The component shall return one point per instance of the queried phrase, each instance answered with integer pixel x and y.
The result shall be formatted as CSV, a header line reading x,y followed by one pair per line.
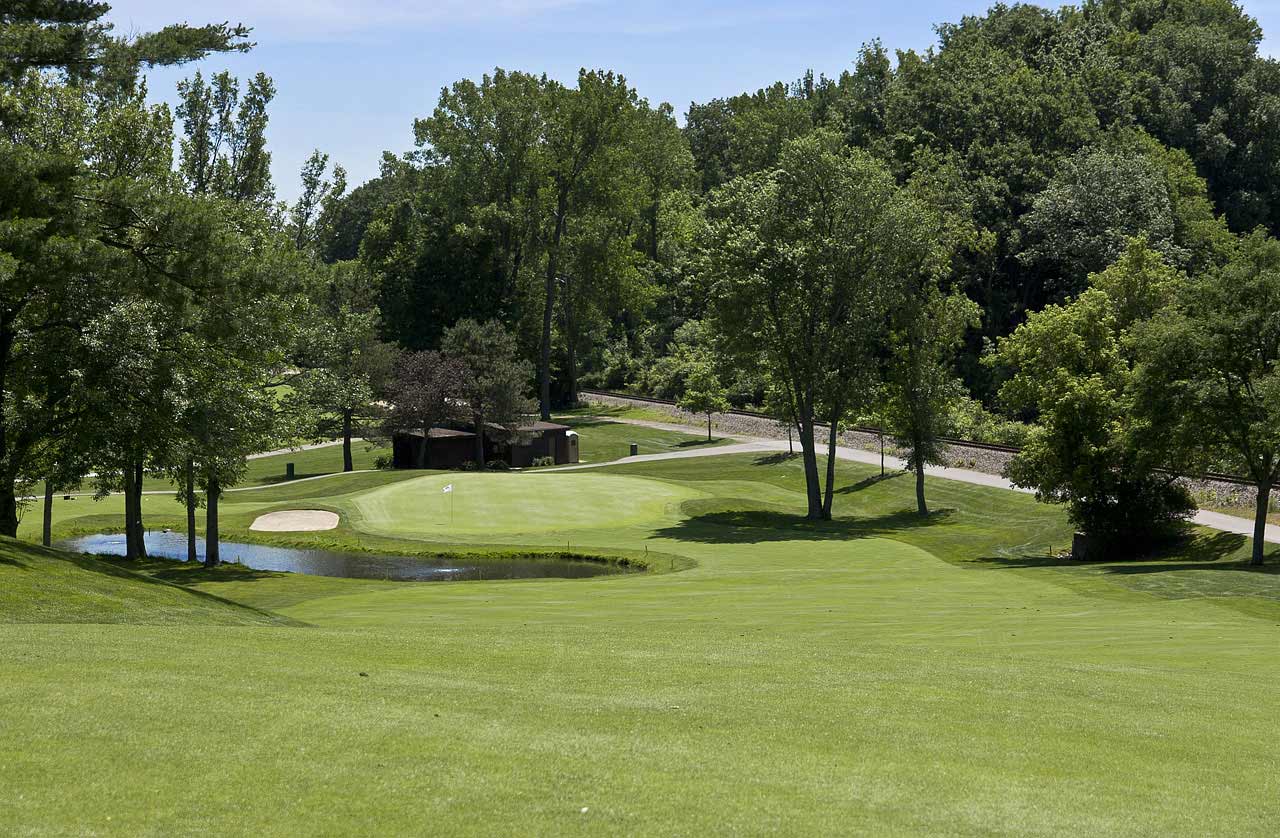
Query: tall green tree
x,y
1209,383
495,379
804,263
929,327
1073,366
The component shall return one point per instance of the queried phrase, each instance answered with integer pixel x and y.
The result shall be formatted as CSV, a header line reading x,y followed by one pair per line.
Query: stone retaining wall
x,y
1209,493
733,424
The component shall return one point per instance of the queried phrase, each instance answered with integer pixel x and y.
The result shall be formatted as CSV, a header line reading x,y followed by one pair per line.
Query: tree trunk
x,y
832,437
1260,524
8,498
131,551
211,557
572,372
548,308
423,459
192,553
346,440
46,532
881,435
8,508
139,530
708,427
813,485
480,441
921,506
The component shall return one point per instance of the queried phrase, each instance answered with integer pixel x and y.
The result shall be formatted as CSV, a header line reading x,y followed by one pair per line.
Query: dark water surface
x,y
173,545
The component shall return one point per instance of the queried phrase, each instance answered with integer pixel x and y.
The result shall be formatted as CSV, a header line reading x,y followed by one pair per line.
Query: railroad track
x,y
1216,477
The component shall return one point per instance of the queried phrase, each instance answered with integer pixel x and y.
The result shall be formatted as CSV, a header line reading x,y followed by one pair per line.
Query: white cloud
x,y
327,19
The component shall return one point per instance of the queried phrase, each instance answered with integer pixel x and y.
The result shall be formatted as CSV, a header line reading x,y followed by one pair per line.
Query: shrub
x,y
383,462
497,465
539,462
469,465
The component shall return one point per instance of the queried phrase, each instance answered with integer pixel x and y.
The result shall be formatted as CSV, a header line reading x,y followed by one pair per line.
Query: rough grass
x,y
874,674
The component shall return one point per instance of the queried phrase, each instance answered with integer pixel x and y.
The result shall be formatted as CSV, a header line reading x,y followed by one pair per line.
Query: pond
x,y
173,545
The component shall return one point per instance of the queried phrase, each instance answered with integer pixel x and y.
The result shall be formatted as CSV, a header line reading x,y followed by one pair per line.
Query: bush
x,y
972,422
497,465
539,462
469,465
1133,514
383,462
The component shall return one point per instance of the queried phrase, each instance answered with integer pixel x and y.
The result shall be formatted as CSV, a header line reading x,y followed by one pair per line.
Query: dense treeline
x,y
1053,228
1046,143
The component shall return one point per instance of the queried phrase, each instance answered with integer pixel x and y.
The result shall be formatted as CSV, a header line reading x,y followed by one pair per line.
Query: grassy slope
x,y
47,586
603,441
873,674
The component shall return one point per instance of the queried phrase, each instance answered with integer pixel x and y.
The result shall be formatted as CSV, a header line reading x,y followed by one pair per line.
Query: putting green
x,y
503,503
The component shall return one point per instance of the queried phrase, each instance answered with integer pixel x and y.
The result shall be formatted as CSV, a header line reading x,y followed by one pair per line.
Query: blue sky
x,y
353,74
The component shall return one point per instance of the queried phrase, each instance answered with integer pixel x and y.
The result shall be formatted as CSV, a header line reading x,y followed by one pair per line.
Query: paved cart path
x,y
746,445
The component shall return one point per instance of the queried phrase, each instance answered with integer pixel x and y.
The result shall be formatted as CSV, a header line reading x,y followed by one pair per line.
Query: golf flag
x,y
448,489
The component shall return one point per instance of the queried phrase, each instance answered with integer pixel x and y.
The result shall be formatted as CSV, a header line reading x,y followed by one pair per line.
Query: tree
x,y
224,150
343,364
1083,220
425,391
930,327
496,377
704,393
64,81
580,125
317,203
1072,366
1209,382
804,263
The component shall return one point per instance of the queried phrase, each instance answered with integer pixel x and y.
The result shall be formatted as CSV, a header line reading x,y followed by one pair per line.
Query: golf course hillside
x,y
875,673
38,585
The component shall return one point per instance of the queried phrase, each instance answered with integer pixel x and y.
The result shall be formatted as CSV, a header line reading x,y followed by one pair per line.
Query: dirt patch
x,y
296,520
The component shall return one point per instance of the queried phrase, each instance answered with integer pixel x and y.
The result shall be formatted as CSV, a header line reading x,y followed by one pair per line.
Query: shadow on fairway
x,y
1194,551
775,459
868,482
760,526
185,573
694,443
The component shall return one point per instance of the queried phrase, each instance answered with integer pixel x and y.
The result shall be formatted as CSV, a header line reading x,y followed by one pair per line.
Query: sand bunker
x,y
296,520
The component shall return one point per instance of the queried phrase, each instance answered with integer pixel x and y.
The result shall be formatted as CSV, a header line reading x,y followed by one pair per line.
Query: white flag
x,y
448,489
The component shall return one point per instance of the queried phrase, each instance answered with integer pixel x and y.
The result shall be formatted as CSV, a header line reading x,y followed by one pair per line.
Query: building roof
x,y
543,426
438,433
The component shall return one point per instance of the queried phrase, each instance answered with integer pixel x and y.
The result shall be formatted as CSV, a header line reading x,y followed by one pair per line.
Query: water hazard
x,y
173,545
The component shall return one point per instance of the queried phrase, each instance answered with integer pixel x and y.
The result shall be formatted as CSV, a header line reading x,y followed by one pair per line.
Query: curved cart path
x,y
746,445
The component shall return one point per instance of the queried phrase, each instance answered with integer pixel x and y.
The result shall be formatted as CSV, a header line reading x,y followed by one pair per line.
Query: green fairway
x,y
874,674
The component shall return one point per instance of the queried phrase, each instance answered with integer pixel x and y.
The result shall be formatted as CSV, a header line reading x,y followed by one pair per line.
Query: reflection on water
x,y
173,545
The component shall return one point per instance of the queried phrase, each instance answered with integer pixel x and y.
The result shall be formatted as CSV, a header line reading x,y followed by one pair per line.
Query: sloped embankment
x,y
38,585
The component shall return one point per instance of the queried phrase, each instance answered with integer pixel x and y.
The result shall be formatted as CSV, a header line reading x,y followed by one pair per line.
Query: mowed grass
x,y
602,440
506,504
875,674
49,586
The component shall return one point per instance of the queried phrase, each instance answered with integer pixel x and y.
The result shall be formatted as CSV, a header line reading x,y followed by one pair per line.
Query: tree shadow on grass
x,y
761,526
868,482
183,573
694,443
1189,551
776,459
